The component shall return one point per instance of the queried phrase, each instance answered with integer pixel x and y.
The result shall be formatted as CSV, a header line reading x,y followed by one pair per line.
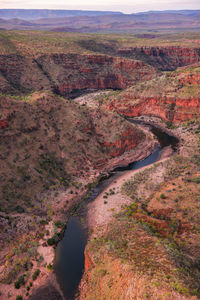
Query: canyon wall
x,y
169,109
174,97
68,73
165,58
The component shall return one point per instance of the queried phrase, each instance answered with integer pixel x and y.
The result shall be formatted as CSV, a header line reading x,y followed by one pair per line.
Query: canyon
x,y
65,74
55,149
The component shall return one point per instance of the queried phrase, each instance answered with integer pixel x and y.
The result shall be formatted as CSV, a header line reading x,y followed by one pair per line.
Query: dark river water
x,y
69,259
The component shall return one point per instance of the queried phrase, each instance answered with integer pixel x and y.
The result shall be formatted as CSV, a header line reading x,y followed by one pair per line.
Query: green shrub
x,y
58,224
53,240
19,297
19,209
102,272
111,192
162,196
19,282
17,285
43,222
49,267
196,180
41,234
36,274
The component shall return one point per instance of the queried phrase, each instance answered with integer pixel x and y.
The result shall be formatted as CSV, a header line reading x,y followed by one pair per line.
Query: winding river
x,y
69,259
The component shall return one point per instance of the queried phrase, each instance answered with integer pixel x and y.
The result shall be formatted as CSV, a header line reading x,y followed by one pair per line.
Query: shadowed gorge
x,y
67,74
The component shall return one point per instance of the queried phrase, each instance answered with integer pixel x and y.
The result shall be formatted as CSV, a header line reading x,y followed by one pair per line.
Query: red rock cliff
x,y
128,140
190,78
169,109
164,58
79,72
66,73
88,261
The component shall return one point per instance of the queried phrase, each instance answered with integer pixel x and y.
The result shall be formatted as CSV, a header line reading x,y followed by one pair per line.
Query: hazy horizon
x,y
125,6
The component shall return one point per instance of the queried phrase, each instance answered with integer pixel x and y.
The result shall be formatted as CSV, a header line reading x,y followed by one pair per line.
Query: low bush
x,y
36,274
162,196
53,240
19,282
49,267
58,224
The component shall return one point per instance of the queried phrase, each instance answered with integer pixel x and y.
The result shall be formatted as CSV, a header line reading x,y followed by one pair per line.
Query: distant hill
x,y
32,14
99,21
182,12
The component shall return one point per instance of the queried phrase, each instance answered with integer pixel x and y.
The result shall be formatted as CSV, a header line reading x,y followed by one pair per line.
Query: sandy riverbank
x,y
102,210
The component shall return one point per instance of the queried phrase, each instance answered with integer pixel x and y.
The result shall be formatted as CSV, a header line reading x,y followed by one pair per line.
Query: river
x,y
69,259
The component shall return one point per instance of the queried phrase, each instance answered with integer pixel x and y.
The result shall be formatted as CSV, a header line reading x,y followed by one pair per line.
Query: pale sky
x,y
126,6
